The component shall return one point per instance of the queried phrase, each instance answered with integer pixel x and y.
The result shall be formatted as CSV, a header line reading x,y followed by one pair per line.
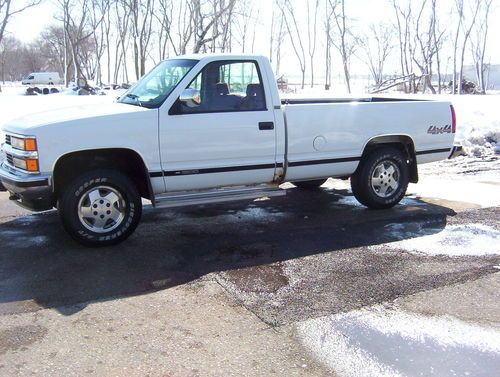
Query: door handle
x,y
266,126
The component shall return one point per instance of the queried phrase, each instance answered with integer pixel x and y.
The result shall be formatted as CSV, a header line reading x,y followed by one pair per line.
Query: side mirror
x,y
190,97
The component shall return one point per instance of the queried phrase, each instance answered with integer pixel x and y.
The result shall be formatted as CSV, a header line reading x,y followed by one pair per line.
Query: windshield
x,y
152,89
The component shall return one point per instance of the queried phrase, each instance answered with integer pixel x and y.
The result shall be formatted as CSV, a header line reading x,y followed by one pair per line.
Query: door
x,y
225,136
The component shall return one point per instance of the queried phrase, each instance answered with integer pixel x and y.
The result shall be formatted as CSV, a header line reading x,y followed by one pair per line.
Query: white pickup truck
x,y
212,128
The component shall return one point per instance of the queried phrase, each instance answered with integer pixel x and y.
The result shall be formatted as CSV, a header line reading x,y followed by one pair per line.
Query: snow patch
x,y
468,191
453,240
379,341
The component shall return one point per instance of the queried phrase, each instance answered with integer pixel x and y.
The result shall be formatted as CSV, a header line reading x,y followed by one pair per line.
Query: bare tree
x,y
467,29
164,16
18,59
78,28
406,49
183,11
107,35
343,39
278,35
377,46
8,10
328,24
311,34
459,5
122,22
10,49
478,43
427,42
438,40
97,17
205,16
243,22
141,16
223,27
292,27
52,42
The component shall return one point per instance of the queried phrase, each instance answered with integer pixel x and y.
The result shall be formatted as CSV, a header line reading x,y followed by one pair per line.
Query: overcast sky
x,y
27,26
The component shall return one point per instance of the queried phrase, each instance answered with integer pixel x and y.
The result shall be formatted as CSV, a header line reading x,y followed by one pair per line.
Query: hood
x,y
24,123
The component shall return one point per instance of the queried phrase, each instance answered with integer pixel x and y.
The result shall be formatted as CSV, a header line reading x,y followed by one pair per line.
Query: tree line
x,y
111,41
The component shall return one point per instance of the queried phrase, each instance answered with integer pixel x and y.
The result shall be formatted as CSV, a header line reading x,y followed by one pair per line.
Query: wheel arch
x,y
128,161
402,142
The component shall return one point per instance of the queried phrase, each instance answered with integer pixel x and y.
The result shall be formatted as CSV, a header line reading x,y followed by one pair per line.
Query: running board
x,y
189,198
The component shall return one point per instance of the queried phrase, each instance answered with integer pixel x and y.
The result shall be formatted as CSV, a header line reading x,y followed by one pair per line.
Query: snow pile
x,y
478,124
380,341
480,142
453,240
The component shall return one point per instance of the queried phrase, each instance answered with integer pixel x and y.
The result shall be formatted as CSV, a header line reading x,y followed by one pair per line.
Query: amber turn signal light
x,y
30,145
32,165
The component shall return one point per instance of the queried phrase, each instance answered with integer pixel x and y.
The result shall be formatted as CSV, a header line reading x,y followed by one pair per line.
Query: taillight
x,y
453,120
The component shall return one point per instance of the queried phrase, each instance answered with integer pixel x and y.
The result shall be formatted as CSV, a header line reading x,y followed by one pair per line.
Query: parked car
x,y
213,128
42,78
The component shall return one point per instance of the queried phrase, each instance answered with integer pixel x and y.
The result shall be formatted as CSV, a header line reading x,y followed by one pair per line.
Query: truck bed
x,y
326,137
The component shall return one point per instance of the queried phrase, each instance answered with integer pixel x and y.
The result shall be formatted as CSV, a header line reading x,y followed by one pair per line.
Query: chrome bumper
x,y
28,190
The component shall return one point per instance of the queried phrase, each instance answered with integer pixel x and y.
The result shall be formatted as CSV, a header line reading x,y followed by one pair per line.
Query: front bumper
x,y
33,192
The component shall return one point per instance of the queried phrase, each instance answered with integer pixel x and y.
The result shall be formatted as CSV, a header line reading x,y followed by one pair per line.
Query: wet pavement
x,y
273,264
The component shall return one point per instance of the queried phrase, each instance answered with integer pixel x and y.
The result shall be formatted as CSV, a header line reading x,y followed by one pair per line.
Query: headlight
x,y
28,144
30,165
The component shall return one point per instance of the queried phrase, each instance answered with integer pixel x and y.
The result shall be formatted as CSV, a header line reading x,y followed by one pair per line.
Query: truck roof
x,y
221,56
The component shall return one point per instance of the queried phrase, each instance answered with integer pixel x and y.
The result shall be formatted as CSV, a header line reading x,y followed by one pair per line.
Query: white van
x,y
42,78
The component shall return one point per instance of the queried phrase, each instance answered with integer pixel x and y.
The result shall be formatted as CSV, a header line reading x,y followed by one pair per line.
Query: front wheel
x,y
381,179
100,208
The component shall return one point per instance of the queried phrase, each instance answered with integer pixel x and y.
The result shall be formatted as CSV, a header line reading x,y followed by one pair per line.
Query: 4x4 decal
x,y
439,130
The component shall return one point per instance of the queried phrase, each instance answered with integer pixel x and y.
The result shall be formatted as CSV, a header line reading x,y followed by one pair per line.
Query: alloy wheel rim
x,y
101,209
385,179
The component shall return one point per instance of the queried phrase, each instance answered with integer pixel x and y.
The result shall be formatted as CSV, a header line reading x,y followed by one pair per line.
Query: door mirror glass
x,y
190,97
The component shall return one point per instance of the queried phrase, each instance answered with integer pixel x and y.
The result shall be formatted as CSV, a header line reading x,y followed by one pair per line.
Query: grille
x,y
7,139
8,158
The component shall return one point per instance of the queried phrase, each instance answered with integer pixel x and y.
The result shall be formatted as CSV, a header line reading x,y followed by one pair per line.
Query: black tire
x,y
77,197
387,190
309,185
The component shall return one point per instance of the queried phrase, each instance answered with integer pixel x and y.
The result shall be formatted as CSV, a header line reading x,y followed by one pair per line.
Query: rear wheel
x,y
382,179
309,185
100,208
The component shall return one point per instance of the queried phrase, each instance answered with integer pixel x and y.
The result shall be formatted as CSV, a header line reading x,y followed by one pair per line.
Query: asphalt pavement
x,y
231,289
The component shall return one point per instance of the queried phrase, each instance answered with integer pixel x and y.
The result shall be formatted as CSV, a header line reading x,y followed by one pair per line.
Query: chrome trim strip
x,y
19,135
19,153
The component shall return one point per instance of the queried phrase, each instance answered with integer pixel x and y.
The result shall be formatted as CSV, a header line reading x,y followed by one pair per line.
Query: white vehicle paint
x,y
42,78
209,128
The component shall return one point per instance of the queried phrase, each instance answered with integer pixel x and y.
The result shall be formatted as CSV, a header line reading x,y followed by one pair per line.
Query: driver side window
x,y
226,86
